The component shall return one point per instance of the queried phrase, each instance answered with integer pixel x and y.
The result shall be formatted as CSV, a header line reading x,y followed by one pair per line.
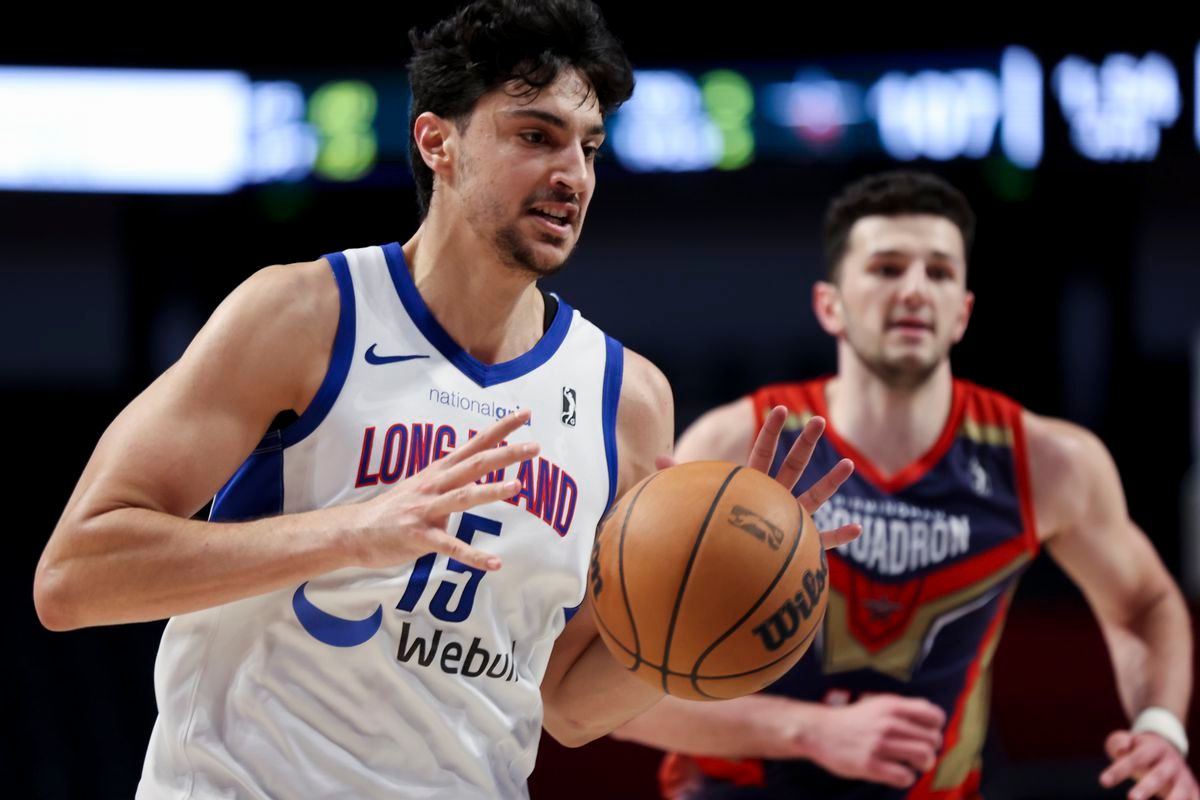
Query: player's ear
x,y
434,137
963,316
827,306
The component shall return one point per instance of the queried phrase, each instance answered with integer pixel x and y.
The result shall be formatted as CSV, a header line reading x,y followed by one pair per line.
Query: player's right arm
x,y
882,738
125,548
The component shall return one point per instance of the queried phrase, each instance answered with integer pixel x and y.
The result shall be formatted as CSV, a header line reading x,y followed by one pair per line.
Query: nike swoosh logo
x,y
332,630
372,358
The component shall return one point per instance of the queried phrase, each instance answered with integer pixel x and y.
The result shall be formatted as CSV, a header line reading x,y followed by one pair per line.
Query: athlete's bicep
x,y
181,438
1083,515
645,421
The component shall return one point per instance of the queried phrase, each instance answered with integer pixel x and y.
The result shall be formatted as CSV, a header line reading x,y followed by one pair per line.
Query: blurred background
x,y
142,177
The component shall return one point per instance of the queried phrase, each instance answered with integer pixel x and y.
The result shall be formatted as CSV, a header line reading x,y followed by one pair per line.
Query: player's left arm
x,y
1085,525
586,693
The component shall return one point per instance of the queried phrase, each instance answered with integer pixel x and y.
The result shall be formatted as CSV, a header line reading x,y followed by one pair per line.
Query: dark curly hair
x,y
891,194
491,42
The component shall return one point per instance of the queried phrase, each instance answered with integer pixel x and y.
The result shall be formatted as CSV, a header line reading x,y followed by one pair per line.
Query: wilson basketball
x,y
708,580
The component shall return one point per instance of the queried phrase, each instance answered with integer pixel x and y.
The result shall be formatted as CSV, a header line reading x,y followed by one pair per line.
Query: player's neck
x,y
891,426
493,312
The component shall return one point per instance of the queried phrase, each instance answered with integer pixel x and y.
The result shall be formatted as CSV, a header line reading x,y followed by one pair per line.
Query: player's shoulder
x,y
288,300
644,387
279,325
987,401
723,433
1068,465
297,289
799,397
645,418
1061,444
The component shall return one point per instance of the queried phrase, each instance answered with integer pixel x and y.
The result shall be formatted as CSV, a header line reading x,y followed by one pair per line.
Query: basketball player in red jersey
x,y
957,488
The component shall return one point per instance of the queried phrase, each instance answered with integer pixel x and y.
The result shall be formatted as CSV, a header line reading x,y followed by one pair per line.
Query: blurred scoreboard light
x,y
665,127
726,119
109,130
1196,84
1117,109
148,131
283,146
208,131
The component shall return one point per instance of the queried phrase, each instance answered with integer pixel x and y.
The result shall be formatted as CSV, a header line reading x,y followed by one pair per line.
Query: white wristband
x,y
1162,722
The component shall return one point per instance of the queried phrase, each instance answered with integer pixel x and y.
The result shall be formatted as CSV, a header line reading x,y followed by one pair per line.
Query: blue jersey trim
x,y
482,374
614,368
256,489
339,359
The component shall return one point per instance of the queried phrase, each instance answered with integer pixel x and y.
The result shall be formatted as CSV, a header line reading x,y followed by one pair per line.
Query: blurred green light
x,y
728,97
729,101
343,112
739,149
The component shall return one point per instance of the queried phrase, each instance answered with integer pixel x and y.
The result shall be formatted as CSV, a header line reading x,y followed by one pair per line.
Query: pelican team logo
x,y
980,481
568,407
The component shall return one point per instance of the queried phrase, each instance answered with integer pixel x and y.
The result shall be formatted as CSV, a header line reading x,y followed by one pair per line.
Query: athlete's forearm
x,y
1152,655
755,726
594,696
135,564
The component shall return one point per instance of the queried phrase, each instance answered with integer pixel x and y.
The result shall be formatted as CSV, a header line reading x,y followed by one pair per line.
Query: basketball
x,y
708,580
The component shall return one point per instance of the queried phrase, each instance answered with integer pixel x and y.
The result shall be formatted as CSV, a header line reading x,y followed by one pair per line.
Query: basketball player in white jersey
x,y
347,630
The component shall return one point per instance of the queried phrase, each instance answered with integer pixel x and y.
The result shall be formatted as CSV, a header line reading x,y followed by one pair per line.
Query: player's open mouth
x,y
559,224
557,216
909,325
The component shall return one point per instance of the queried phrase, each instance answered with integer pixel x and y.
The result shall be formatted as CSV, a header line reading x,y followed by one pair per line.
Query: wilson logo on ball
x,y
783,624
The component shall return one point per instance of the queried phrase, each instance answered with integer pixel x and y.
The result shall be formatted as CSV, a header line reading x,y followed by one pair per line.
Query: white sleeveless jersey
x,y
420,681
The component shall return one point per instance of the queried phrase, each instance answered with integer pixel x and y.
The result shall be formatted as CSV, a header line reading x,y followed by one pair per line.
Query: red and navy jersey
x,y
917,603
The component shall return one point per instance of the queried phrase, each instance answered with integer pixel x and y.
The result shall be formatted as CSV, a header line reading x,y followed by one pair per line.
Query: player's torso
x,y
917,602
421,679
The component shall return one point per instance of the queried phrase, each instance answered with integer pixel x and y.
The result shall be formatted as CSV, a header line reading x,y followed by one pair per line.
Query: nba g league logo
x,y
568,406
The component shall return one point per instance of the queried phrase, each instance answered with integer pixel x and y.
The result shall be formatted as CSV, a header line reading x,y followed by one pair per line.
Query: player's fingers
x,y
915,754
470,496
480,464
1185,789
829,483
1117,744
839,536
901,729
763,451
920,711
800,453
890,773
1154,782
1132,764
442,542
487,438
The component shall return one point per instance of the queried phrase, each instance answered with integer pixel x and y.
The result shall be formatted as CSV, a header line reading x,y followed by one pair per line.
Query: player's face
x,y
526,170
903,294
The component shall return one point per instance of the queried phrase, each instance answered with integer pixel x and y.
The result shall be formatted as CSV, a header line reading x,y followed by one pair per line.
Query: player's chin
x,y
909,360
911,369
917,356
549,257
